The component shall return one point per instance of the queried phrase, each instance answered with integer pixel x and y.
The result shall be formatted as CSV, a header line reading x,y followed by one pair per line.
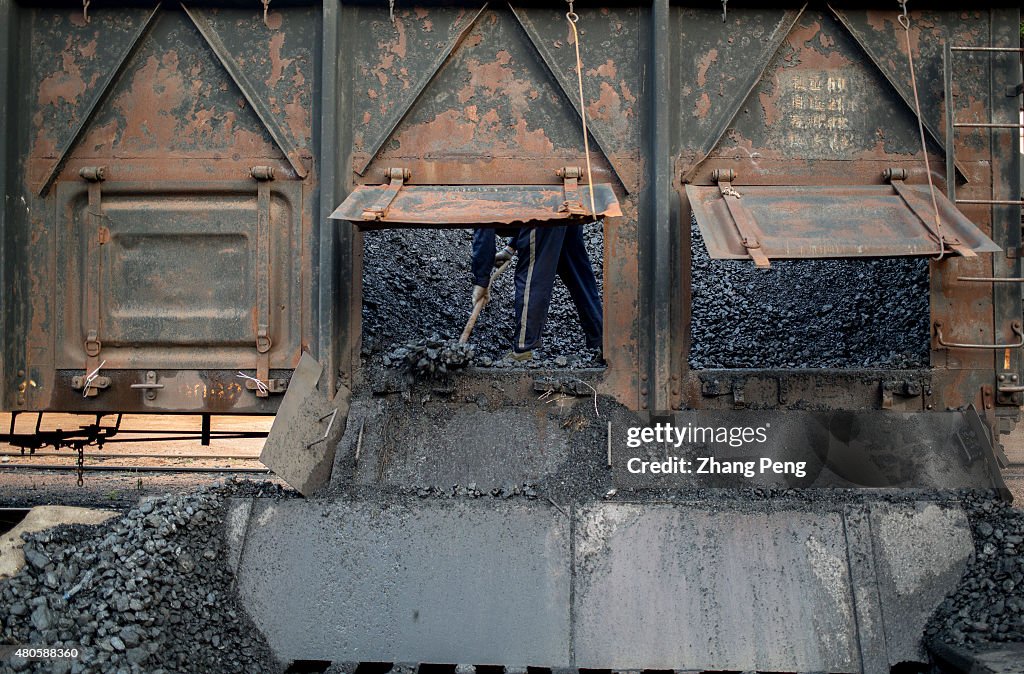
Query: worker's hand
x,y
504,255
480,293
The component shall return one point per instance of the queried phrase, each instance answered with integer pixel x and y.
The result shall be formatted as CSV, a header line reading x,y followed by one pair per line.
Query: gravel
x,y
988,605
147,592
417,285
855,313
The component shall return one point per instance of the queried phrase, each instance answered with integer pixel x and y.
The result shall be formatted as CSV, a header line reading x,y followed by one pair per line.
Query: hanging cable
x,y
904,20
572,18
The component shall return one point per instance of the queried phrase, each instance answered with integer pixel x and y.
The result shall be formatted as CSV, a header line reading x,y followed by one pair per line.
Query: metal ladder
x,y
952,124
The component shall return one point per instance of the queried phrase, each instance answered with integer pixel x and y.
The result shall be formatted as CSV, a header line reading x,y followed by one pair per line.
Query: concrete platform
x,y
625,586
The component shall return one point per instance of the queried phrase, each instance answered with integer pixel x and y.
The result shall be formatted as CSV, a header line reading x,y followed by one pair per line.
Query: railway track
x,y
142,444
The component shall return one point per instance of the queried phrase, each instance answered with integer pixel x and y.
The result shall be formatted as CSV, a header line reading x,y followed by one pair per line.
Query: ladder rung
x,y
985,279
980,125
991,202
996,49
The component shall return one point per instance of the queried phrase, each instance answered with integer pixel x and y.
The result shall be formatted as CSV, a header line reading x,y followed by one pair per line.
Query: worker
x,y
543,253
485,259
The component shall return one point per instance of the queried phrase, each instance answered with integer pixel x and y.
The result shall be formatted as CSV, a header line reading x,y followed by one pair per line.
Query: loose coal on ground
x,y
854,313
988,605
146,592
417,285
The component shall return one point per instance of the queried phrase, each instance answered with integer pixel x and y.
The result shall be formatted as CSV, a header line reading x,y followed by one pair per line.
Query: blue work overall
x,y
544,252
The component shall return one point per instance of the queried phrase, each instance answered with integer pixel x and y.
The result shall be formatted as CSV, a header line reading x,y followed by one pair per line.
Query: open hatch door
x,y
398,204
763,223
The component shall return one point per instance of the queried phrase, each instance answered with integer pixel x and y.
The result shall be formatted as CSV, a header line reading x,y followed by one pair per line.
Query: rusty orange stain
x,y
606,69
702,106
298,118
274,20
66,84
627,93
277,64
703,65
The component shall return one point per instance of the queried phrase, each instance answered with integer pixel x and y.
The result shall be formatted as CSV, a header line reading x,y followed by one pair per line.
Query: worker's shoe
x,y
519,356
504,255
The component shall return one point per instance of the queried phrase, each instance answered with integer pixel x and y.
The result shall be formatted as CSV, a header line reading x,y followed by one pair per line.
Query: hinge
x,y
572,204
1008,389
397,178
905,388
750,233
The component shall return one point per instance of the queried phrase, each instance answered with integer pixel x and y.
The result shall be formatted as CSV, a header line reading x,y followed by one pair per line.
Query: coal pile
x,y
988,605
842,313
431,358
149,592
417,283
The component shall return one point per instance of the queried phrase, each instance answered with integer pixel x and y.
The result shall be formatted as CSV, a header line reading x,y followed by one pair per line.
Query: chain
x,y
81,463
572,18
725,10
266,8
391,10
904,20
85,10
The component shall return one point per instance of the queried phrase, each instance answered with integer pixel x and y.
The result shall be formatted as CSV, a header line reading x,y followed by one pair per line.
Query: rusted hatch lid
x,y
829,221
380,206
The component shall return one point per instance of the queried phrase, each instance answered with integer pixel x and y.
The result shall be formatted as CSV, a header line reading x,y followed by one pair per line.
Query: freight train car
x,y
169,171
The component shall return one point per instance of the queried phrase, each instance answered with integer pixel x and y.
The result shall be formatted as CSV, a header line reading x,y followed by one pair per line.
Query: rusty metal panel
x,y
178,273
811,222
177,103
461,86
474,205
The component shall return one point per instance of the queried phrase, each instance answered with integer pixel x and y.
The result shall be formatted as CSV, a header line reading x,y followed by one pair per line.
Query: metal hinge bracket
x,y
905,388
750,233
95,384
572,204
1009,390
397,178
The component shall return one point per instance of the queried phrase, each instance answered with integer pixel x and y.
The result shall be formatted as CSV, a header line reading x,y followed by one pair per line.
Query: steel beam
x,y
7,125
